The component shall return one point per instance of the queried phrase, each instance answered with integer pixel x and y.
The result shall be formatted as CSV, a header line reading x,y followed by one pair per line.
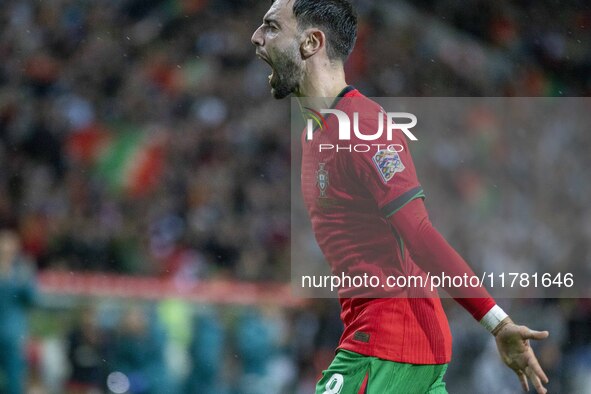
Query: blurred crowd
x,y
80,81
139,137
548,41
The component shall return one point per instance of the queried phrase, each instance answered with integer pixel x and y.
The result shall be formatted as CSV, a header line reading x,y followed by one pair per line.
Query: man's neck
x,y
325,81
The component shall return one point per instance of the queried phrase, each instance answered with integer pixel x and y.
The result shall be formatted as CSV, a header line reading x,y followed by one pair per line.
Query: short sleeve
x,y
387,171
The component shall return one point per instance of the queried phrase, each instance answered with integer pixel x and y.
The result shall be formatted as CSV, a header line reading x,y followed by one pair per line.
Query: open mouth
x,y
270,65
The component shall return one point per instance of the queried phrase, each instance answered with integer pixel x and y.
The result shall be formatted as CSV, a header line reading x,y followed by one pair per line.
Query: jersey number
x,y
334,384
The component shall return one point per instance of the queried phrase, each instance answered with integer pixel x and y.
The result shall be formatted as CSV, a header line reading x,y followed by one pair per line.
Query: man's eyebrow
x,y
270,19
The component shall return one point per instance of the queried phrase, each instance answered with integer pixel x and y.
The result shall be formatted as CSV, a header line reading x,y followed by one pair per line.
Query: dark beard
x,y
287,74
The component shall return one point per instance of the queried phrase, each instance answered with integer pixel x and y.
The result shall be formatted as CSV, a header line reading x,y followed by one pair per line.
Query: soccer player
x,y
368,215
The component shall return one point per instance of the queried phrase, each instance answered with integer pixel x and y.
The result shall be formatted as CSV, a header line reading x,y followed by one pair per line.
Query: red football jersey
x,y
349,196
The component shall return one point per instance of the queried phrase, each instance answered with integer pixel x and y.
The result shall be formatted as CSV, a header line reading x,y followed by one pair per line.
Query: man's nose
x,y
257,37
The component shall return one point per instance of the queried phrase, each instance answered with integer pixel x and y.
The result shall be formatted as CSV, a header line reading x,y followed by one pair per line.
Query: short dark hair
x,y
336,18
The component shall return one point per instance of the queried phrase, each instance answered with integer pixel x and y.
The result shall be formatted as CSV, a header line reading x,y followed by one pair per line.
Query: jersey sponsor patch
x,y
388,163
361,336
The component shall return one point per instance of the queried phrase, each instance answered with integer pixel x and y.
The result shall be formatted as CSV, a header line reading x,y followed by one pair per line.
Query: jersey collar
x,y
348,89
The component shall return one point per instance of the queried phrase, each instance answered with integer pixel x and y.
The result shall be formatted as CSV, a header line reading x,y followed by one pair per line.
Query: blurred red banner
x,y
150,288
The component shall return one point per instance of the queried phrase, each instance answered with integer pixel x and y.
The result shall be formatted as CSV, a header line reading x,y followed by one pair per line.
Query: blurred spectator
x,y
207,354
138,354
259,339
86,350
175,316
17,295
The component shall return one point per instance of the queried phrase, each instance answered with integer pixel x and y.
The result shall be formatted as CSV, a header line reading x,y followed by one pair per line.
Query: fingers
x,y
537,370
536,375
524,361
535,379
526,333
523,380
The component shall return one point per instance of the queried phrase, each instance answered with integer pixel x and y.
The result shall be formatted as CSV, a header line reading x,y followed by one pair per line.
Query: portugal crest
x,y
322,179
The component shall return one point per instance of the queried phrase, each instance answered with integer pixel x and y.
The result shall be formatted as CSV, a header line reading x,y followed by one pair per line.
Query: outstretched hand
x,y
516,352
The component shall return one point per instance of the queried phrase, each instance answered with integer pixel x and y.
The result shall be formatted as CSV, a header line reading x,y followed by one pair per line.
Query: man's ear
x,y
314,41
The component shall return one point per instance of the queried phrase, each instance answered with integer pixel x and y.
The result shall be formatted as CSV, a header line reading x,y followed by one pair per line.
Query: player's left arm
x,y
391,179
433,254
